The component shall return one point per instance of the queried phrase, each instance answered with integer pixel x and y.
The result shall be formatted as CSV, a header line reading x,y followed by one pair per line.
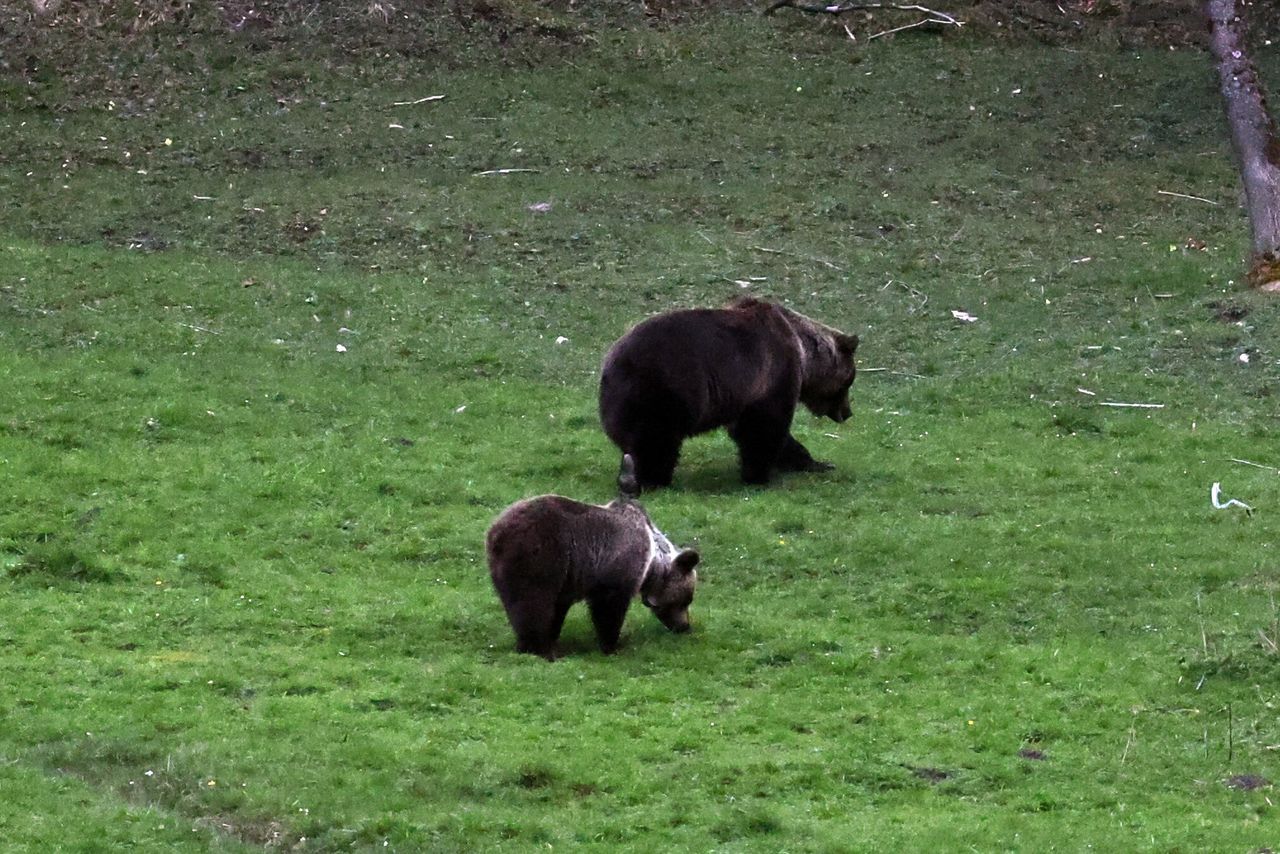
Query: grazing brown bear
x,y
548,552
743,367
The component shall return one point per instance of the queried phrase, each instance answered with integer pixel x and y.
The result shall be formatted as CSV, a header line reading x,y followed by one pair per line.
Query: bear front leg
x,y
608,609
759,437
796,457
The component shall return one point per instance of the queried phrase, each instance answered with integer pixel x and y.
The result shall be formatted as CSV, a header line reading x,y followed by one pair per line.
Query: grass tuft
x,y
53,561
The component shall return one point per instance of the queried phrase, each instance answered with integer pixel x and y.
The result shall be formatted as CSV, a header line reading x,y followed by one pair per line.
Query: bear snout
x,y
842,412
677,622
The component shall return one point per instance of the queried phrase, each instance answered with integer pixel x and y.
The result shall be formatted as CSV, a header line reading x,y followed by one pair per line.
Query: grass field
x,y
274,355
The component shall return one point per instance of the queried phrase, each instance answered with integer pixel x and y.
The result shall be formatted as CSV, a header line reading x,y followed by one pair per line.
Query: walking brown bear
x,y
548,552
744,367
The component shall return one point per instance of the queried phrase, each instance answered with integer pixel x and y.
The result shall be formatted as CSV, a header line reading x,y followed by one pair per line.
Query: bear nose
x,y
678,623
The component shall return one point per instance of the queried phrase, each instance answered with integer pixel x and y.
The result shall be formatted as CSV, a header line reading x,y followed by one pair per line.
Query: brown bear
x,y
548,552
743,367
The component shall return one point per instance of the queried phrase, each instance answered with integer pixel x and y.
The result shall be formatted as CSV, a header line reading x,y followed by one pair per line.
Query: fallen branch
x,y
919,23
935,17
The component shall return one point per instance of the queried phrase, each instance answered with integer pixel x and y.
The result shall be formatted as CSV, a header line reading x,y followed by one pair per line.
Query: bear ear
x,y
628,486
686,561
847,343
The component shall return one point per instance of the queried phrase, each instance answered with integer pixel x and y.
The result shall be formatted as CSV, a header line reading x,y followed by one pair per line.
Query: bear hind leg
x,y
608,610
557,619
656,455
536,627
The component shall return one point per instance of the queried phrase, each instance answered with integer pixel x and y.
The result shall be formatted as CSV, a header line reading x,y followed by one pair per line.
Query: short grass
x,y
243,600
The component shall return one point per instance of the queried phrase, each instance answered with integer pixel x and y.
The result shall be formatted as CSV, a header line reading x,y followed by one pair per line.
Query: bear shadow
x,y
579,641
706,480
725,481
574,643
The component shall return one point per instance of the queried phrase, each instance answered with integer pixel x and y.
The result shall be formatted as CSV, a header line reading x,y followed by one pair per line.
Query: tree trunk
x,y
1253,136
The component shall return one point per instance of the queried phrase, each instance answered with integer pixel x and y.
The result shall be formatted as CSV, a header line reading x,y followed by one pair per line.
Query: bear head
x,y
669,582
831,371
669,576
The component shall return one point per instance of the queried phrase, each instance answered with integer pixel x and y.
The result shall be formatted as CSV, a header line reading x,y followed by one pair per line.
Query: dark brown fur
x,y
744,367
548,552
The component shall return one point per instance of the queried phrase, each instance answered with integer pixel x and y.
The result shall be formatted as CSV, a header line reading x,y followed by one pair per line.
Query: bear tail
x,y
628,486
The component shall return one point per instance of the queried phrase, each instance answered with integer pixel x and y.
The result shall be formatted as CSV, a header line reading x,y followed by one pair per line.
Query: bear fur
x,y
546,553
744,367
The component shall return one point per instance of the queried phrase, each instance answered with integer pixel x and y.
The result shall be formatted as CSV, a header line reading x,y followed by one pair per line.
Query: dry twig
x,y
501,172
1185,196
1269,643
923,297
1133,735
1255,465
821,261
415,103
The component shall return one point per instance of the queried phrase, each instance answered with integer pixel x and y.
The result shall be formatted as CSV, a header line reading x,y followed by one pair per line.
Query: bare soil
x,y
526,29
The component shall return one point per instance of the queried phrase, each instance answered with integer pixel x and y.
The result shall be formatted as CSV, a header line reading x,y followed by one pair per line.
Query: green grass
x,y
243,599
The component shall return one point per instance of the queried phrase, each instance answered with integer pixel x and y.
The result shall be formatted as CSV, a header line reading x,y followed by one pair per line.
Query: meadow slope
x,y
275,351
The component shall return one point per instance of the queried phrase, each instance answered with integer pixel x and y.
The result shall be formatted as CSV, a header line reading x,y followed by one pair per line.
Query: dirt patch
x,y
1129,22
266,832
1246,782
1228,312
1125,23
931,775
534,778
526,29
141,774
